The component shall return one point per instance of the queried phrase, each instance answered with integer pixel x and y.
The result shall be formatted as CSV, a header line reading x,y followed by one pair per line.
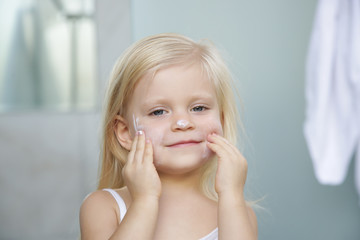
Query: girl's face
x,y
177,109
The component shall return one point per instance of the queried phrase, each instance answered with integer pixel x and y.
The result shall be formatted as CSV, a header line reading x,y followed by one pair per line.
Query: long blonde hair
x,y
153,53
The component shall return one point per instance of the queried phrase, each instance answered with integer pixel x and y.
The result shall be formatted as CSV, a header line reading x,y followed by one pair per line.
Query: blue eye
x,y
199,109
157,112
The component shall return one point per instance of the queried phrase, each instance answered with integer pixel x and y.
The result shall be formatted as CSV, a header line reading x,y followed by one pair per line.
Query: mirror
x,y
47,55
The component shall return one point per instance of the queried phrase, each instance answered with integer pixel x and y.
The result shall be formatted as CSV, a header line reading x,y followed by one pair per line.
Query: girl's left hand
x,y
232,166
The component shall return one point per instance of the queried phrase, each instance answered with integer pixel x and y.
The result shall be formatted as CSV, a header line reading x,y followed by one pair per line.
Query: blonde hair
x,y
150,54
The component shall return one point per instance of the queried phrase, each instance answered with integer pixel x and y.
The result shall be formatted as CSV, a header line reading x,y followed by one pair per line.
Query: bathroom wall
x,y
46,168
49,160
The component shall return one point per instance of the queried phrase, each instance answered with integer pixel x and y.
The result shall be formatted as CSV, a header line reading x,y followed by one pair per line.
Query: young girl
x,y
170,168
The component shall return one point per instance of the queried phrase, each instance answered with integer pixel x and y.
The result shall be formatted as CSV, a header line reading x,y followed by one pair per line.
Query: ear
x,y
122,132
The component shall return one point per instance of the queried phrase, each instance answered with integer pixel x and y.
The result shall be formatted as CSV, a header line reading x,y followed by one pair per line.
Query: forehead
x,y
174,82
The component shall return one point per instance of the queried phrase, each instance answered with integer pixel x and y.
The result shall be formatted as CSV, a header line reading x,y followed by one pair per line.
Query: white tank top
x,y
122,207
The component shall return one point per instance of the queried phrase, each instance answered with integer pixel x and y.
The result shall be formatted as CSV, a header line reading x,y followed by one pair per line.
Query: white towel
x,y
332,125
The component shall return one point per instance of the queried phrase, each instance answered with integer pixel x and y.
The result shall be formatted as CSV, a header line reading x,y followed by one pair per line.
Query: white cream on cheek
x,y
136,123
151,133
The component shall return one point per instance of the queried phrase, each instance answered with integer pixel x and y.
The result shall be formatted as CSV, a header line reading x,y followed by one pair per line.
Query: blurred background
x,y
55,59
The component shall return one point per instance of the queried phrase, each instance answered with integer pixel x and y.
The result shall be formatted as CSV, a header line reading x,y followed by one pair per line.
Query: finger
x,y
133,149
216,139
140,146
219,150
230,147
148,155
219,139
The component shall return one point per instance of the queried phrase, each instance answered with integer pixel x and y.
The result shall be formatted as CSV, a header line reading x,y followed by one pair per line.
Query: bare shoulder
x,y
97,199
98,216
252,217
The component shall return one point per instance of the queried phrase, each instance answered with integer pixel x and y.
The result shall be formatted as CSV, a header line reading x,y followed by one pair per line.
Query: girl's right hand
x,y
139,172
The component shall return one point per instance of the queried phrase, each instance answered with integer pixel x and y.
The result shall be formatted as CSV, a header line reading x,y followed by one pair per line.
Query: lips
x,y
184,143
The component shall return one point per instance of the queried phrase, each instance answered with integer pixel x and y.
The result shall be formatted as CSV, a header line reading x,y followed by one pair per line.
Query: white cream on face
x,y
135,123
151,133
182,123
137,126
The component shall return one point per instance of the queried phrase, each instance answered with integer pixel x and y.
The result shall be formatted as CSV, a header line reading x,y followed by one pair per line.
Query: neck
x,y
174,184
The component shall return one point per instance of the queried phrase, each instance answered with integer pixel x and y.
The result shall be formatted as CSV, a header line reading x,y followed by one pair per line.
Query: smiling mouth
x,y
184,144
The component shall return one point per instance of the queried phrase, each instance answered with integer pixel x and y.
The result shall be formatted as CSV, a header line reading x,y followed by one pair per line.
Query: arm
x,y
236,220
139,221
98,218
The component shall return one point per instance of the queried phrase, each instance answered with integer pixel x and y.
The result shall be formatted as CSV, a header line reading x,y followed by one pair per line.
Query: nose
x,y
182,124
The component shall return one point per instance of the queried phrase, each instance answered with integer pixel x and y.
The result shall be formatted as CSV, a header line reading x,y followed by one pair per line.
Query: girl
x,y
170,169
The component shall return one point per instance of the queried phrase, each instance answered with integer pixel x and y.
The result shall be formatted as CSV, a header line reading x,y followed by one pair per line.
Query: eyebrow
x,y
162,100
201,96
153,101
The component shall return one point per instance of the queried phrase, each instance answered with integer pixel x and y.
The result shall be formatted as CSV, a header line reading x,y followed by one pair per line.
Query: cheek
x,y
155,133
211,125
152,131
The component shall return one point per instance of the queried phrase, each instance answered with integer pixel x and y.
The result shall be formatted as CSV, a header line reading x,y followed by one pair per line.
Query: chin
x,y
181,164
176,171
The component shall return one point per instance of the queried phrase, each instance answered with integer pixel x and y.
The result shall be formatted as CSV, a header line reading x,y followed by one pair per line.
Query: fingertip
x,y
209,144
141,136
148,142
210,138
213,134
148,147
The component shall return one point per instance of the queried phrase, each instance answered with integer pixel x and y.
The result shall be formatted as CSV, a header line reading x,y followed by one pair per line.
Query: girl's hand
x,y
232,166
139,173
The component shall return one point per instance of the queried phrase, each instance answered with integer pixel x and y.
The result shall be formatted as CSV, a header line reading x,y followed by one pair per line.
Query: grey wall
x,y
47,165
266,44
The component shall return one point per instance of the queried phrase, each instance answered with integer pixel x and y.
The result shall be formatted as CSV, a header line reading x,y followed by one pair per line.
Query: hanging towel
x,y
332,91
